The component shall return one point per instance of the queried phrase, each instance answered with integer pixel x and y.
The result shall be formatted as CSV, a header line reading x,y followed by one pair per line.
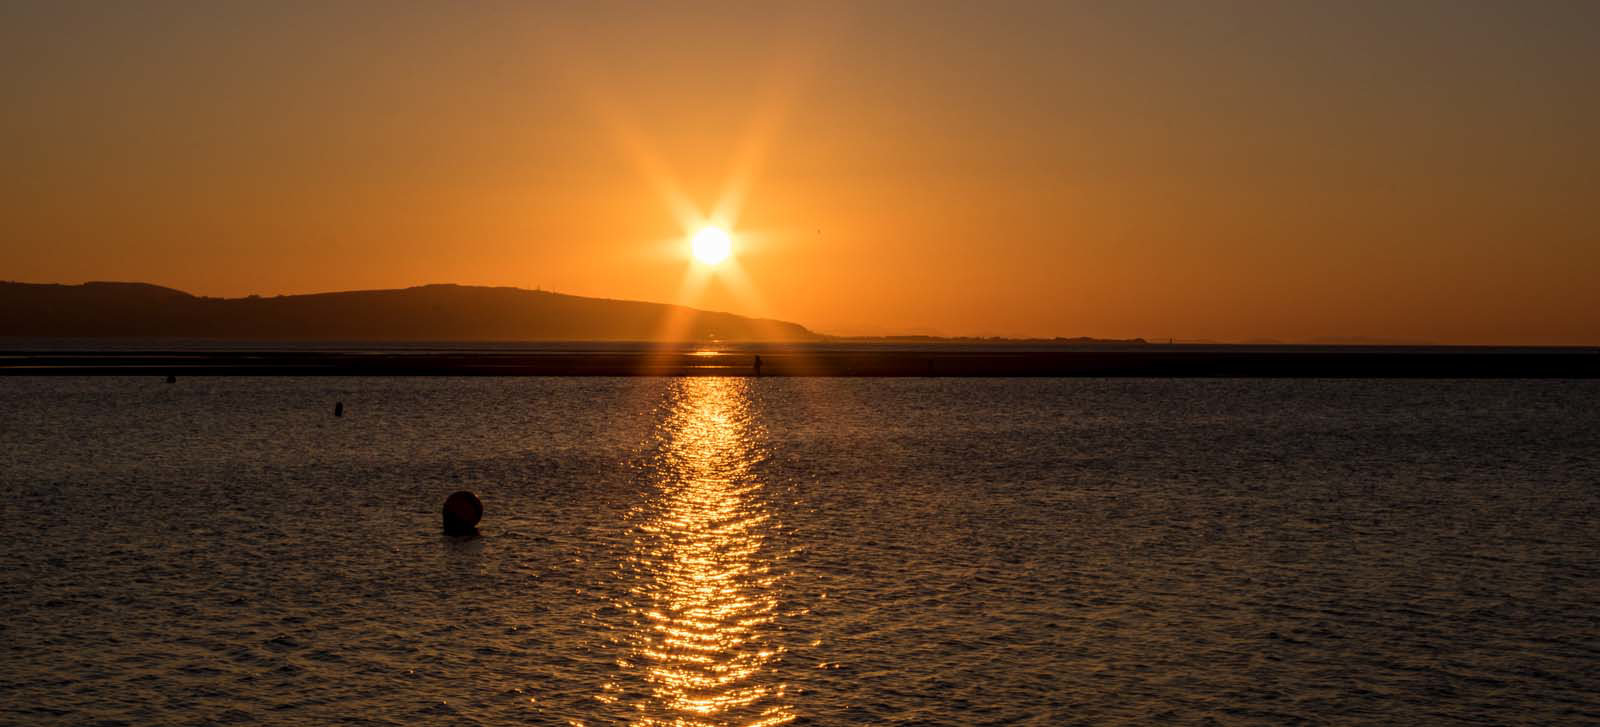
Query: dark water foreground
x,y
633,359
739,551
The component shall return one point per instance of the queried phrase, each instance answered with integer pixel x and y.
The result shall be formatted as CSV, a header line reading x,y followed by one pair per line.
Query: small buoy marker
x,y
171,379
462,511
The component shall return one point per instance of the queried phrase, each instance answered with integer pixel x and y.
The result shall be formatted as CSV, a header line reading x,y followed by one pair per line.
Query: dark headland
x,y
424,313
147,330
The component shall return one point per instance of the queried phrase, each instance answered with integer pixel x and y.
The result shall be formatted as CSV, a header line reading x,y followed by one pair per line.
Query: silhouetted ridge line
x,y
425,313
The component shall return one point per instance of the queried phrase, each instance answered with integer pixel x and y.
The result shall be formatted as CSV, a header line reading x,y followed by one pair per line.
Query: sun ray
x,y
791,71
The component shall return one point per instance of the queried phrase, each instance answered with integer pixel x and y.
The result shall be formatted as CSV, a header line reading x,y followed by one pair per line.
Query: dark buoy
x,y
462,511
338,409
172,379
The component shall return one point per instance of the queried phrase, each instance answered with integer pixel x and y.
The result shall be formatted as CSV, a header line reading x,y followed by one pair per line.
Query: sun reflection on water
x,y
704,595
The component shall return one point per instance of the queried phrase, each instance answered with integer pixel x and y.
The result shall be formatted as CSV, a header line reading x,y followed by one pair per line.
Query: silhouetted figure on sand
x,y
338,409
758,364
462,510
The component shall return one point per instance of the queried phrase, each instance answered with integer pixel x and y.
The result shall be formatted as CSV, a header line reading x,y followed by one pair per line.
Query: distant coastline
x,y
438,312
118,316
443,312
998,340
817,359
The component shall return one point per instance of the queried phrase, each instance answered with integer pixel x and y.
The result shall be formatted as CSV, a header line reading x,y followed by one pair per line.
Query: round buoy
x,y
171,379
462,511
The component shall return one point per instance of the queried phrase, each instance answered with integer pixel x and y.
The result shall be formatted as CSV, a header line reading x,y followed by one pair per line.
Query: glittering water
x,y
698,620
822,551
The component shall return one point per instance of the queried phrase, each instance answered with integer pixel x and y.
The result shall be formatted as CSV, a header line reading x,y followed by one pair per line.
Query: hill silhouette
x,y
425,313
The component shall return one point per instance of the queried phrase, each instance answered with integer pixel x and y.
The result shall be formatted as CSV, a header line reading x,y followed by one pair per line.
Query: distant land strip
x,y
1240,362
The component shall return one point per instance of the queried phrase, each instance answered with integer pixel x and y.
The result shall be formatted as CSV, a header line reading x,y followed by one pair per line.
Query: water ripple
x,y
700,580
734,552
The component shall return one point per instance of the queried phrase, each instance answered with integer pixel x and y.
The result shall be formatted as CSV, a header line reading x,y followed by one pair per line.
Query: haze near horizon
x,y
1414,170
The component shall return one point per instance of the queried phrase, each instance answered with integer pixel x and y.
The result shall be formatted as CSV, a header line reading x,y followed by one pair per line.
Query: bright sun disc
x,y
711,245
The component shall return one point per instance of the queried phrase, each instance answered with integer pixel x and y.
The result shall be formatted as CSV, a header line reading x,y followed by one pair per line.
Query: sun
x,y
711,245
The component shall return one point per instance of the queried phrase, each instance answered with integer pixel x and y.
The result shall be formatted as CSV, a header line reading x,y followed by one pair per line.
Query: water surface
x,y
820,551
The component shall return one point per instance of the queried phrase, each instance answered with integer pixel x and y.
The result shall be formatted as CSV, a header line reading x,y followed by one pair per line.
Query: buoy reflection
x,y
704,597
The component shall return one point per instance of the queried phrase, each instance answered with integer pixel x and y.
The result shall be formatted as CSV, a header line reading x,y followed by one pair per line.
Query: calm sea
x,y
718,551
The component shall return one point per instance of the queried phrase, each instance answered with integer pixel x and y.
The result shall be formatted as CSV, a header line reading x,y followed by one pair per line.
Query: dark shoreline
x,y
1162,362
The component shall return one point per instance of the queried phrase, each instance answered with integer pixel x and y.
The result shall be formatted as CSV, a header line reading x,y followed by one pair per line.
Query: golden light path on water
x,y
704,593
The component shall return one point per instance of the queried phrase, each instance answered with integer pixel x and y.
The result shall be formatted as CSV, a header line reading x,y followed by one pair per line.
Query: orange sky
x,y
1228,171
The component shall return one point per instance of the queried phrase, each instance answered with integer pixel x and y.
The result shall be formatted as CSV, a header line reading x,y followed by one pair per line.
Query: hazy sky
x,y
1224,170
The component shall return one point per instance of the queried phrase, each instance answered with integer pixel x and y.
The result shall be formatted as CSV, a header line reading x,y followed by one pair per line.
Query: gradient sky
x,y
1219,170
